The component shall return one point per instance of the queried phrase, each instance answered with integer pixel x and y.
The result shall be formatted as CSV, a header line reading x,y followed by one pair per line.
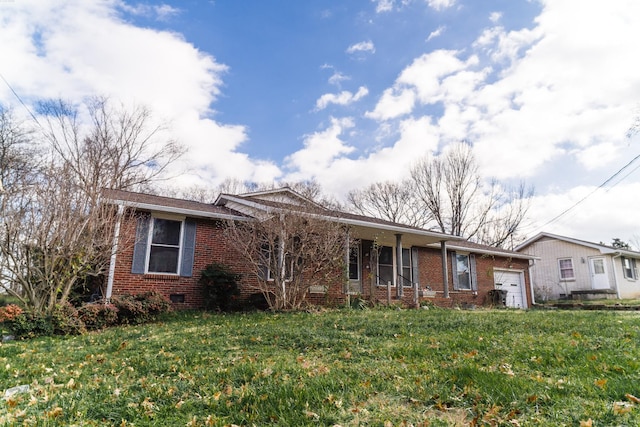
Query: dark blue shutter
x,y
140,245
415,272
473,276
454,271
188,248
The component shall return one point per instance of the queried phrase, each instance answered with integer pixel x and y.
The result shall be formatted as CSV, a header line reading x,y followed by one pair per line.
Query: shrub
x,y
141,308
66,321
98,316
28,325
219,287
9,312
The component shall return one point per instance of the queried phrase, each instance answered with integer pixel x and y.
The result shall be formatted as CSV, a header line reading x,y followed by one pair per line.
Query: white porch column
x,y
445,272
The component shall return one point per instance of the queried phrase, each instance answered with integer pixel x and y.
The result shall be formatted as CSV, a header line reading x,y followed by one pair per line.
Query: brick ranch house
x,y
167,243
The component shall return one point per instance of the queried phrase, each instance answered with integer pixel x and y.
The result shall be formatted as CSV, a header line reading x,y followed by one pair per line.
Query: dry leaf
x,y
588,423
632,398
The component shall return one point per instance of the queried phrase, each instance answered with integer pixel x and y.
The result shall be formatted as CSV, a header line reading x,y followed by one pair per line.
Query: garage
x,y
513,283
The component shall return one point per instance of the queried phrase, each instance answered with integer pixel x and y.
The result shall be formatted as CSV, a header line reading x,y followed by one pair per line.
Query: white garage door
x,y
511,281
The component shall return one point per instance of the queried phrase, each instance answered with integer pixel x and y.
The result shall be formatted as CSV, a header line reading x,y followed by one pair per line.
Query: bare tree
x,y
451,189
119,147
389,200
289,252
446,192
56,231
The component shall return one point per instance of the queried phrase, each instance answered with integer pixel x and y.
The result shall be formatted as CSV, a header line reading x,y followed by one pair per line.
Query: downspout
x,y
445,272
114,252
399,278
532,262
615,274
347,253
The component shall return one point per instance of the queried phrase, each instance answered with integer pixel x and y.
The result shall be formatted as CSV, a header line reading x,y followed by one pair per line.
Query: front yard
x,y
344,367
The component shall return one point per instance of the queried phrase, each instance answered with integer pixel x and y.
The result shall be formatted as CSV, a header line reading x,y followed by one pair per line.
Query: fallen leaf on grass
x,y
601,383
632,398
588,423
620,408
54,413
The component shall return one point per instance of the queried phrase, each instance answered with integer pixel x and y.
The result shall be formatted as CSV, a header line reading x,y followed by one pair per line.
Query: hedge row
x,y
69,320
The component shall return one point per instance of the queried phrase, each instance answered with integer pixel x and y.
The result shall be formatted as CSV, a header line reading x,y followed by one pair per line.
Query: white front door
x,y
599,276
511,281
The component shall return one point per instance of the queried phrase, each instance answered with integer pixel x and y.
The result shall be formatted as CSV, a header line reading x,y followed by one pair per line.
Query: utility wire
x,y
20,99
554,219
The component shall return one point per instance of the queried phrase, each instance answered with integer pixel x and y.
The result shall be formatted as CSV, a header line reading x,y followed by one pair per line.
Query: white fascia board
x,y
181,211
491,252
394,228
346,221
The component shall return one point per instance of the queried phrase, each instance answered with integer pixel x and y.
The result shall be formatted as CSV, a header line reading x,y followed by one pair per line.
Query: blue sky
x,y
353,92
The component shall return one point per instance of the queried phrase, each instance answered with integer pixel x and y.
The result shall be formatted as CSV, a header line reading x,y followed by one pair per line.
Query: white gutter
x,y
347,221
114,252
487,251
394,228
182,211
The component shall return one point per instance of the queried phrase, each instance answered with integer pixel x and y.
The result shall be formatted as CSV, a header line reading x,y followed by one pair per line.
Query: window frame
x,y
150,244
561,269
288,263
392,265
407,266
629,273
467,271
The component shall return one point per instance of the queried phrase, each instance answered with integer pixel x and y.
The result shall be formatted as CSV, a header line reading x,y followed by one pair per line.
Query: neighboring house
x,y
577,269
166,244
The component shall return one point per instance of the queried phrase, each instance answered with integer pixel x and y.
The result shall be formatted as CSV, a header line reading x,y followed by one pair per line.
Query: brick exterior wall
x,y
211,247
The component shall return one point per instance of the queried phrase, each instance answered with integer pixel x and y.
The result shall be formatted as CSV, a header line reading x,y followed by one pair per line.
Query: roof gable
x,y
604,249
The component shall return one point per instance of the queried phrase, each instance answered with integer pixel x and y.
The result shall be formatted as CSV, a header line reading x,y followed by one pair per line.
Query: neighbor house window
x,y
164,246
385,266
566,269
629,268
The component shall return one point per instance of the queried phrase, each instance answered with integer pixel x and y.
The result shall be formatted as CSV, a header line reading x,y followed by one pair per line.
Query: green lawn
x,y
370,367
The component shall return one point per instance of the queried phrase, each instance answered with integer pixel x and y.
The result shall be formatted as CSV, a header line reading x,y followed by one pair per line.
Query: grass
x,y
359,367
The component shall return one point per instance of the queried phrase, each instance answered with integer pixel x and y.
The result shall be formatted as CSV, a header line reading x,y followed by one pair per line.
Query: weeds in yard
x,y
344,367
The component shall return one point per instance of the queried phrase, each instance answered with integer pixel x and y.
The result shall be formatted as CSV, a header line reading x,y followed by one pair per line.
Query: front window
x,y
164,251
566,269
406,267
272,262
354,263
463,271
385,266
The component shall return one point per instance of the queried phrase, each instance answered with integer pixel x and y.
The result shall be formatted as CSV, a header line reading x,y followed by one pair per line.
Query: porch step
x,y
593,294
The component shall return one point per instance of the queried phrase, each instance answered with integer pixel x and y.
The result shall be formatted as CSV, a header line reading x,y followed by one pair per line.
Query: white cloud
x,y
365,46
495,17
337,78
320,150
392,104
436,33
76,49
383,5
160,12
343,98
441,4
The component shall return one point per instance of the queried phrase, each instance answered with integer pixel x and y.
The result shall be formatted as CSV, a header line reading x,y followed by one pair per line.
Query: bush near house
x,y
220,288
69,320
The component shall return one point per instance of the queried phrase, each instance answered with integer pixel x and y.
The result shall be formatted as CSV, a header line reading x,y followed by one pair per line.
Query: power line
x,y
554,219
20,99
